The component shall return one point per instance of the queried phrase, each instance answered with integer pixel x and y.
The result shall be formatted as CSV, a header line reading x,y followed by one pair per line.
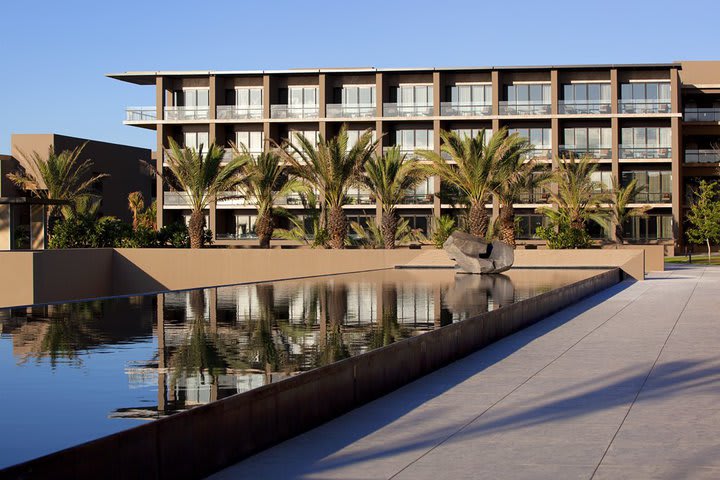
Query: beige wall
x,y
16,279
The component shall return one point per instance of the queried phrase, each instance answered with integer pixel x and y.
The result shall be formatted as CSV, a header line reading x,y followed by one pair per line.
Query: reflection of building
x,y
656,123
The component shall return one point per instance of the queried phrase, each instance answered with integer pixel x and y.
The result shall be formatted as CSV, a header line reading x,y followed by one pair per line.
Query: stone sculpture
x,y
474,255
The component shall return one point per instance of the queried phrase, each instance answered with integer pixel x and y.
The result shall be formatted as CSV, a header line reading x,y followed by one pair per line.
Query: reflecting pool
x,y
74,372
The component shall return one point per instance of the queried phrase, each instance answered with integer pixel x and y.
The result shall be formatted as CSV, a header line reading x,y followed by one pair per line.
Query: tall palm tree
x,y
203,177
389,177
57,177
619,211
331,168
577,199
265,178
514,175
471,175
136,204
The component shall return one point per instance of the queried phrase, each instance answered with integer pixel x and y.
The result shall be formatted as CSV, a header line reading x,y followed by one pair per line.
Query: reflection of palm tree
x,y
67,331
262,345
387,331
333,308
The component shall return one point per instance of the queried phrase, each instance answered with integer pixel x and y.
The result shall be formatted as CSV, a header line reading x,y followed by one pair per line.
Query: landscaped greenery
x,y
704,216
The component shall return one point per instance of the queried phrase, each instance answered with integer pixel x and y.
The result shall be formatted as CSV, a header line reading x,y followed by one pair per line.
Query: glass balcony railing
x,y
536,196
344,110
407,110
187,113
702,156
702,114
140,114
229,154
460,109
652,197
175,199
294,111
418,199
592,152
630,152
236,236
290,199
588,107
524,108
539,154
643,106
360,199
239,112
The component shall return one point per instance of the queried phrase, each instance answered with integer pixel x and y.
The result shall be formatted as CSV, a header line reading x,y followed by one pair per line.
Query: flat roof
x,y
148,77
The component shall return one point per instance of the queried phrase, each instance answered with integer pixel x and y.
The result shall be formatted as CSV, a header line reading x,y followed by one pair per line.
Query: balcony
x,y
597,153
702,156
459,109
702,114
232,198
290,199
229,154
418,199
652,197
140,114
176,199
539,154
234,112
360,199
407,110
524,108
643,106
344,110
294,111
187,113
535,196
584,107
630,152
236,236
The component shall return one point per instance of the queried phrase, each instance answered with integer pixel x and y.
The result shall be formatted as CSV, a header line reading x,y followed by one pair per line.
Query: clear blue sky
x,y
54,53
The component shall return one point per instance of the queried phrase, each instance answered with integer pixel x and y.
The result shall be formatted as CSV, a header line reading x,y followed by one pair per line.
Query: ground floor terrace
x,y
621,385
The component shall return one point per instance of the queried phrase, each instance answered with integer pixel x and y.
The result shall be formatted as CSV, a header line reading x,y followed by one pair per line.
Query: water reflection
x,y
209,344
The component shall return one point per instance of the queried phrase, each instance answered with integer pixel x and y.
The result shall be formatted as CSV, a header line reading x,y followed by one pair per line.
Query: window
x,y
192,97
533,93
250,98
473,132
539,137
312,135
361,95
303,96
586,93
602,181
646,142
420,95
253,141
245,226
593,141
527,225
470,94
410,140
422,193
657,185
354,136
418,222
196,140
645,97
649,228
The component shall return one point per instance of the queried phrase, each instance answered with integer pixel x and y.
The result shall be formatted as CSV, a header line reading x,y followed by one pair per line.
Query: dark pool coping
x,y
208,438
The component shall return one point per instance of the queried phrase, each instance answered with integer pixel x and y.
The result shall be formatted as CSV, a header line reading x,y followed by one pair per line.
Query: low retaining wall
x,y
198,442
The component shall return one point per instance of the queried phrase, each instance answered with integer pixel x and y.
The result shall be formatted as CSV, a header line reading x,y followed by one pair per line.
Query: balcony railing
x,y
598,153
140,114
577,107
524,108
236,236
407,110
643,106
291,199
344,110
645,152
539,154
234,112
652,197
229,154
187,113
702,156
702,114
418,199
175,199
459,109
232,198
294,111
533,197
360,199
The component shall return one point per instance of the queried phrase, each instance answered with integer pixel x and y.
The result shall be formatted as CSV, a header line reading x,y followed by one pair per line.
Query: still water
x,y
74,372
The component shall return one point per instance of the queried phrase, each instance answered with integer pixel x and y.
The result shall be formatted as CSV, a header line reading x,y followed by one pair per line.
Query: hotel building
x,y
657,123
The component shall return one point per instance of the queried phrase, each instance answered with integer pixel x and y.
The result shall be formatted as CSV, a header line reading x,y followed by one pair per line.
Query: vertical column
x,y
677,179
554,92
322,104
37,227
162,372
437,97
379,98
160,102
5,227
614,133
495,79
267,99
212,133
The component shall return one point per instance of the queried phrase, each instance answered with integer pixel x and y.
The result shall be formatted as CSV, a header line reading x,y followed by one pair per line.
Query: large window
x,y
526,99
586,98
645,97
422,193
602,181
410,140
540,138
646,142
354,136
312,135
527,225
189,104
473,132
193,97
656,185
196,139
593,141
253,141
250,98
468,100
410,100
418,222
245,226
353,101
649,228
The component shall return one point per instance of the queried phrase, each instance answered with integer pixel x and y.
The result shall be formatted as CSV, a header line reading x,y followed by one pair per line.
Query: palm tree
x,y
389,177
619,211
577,199
515,175
372,236
58,177
265,178
136,204
331,168
471,175
203,178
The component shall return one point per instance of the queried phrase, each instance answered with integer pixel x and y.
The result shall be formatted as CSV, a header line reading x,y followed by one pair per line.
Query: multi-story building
x,y
654,122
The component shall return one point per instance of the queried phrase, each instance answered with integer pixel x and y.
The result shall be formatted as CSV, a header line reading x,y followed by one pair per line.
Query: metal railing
x,y
187,113
234,112
346,110
702,114
533,197
418,199
360,199
645,152
229,154
140,114
294,111
702,156
460,109
579,107
643,106
652,197
524,108
174,199
540,154
236,236
599,153
407,110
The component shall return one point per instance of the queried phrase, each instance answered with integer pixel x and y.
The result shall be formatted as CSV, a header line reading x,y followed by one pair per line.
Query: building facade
x,y
656,123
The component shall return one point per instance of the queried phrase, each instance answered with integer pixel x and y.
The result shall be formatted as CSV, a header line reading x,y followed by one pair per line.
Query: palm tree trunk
x,y
195,228
337,226
478,220
619,234
264,229
389,229
507,225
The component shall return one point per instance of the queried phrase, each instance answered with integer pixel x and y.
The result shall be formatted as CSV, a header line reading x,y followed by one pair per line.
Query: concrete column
x,y
267,98
677,155
160,87
554,92
162,374
555,138
437,89
495,78
212,218
615,133
379,99
38,235
159,186
437,204
322,104
5,227
212,133
614,91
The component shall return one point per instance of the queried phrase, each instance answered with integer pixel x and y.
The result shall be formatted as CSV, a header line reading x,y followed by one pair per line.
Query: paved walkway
x,y
623,385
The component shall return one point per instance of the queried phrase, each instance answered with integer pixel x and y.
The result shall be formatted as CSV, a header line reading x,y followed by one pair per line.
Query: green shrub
x,y
85,232
565,237
443,227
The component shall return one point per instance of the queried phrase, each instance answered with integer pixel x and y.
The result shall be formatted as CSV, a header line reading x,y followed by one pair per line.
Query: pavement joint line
x,y
471,421
677,320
